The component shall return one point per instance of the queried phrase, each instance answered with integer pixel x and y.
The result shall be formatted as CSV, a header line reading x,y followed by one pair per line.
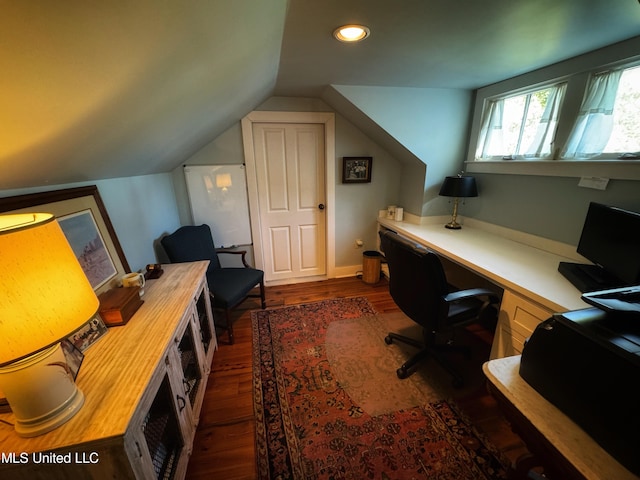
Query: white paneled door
x,y
290,176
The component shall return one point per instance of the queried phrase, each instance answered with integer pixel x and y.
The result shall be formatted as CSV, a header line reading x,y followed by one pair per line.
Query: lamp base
x,y
453,225
41,392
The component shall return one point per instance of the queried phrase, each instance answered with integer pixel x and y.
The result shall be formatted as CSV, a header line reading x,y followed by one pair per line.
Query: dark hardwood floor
x,y
224,443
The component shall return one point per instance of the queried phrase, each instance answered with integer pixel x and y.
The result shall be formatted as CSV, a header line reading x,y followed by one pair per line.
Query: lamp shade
x,y
459,186
223,180
44,293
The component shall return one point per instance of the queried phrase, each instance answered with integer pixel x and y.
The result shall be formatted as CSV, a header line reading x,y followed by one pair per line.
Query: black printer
x,y
587,363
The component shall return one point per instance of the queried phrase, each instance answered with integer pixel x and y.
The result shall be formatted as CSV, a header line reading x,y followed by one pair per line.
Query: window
x,y
590,126
520,126
608,125
625,134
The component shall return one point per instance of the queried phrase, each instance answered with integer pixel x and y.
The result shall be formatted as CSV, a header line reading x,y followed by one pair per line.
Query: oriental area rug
x,y
329,405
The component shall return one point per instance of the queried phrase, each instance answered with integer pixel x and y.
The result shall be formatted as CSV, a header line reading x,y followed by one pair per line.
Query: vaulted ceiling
x,y
94,90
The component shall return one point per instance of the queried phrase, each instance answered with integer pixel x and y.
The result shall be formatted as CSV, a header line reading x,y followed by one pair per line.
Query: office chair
x,y
418,286
228,287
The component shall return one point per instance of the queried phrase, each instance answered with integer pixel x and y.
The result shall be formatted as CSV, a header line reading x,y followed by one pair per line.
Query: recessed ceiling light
x,y
351,33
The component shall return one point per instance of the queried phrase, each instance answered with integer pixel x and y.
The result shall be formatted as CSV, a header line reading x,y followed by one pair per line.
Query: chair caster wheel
x,y
388,340
402,373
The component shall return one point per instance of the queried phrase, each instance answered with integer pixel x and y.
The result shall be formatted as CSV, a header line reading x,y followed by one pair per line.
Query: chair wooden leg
x,y
262,296
227,313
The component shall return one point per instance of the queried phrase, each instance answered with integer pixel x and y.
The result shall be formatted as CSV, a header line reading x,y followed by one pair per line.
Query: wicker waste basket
x,y
371,261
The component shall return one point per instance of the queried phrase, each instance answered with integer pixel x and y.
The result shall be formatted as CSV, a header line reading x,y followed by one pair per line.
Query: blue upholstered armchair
x,y
228,286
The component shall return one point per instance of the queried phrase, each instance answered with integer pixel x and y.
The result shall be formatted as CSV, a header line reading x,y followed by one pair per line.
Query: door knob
x,y
321,206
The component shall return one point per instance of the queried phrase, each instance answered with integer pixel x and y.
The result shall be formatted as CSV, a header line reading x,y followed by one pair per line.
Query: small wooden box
x,y
118,305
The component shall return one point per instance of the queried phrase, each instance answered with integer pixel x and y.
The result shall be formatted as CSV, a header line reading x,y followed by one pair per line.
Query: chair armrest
x,y
489,308
235,252
493,297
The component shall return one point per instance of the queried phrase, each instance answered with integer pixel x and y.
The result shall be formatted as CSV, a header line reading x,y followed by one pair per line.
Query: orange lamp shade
x,y
44,294
223,180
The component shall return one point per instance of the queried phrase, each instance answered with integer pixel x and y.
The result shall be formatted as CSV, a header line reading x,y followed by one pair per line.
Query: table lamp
x,y
458,187
44,297
223,181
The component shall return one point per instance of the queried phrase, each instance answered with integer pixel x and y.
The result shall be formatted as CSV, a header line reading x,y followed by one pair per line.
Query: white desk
x,y
561,445
533,287
533,290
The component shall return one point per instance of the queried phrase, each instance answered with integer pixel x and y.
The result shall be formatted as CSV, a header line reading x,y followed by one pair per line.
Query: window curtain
x,y
490,140
542,144
594,124
491,130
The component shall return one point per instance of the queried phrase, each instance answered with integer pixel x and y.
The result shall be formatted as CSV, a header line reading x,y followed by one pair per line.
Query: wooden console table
x,y
564,450
143,385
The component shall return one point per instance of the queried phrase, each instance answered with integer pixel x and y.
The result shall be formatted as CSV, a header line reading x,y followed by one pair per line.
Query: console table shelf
x,y
140,411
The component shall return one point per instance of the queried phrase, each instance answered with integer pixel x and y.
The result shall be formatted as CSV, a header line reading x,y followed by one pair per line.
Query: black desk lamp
x,y
458,187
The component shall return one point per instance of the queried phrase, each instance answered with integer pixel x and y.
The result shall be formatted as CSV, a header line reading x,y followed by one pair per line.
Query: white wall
x,y
431,123
142,209
549,206
357,205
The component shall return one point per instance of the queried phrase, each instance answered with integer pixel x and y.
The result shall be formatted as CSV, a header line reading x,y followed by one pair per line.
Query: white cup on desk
x,y
134,279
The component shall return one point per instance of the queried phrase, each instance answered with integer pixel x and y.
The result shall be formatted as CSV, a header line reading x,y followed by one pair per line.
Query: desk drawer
x,y
517,320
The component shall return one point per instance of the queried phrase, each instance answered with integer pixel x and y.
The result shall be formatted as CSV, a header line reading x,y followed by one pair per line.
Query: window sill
x,y
613,169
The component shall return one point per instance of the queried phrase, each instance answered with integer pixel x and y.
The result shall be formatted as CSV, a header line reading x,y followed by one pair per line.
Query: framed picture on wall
x,y
356,169
87,243
87,226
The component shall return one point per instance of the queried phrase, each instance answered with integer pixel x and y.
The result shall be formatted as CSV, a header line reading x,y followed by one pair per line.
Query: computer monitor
x,y
611,239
